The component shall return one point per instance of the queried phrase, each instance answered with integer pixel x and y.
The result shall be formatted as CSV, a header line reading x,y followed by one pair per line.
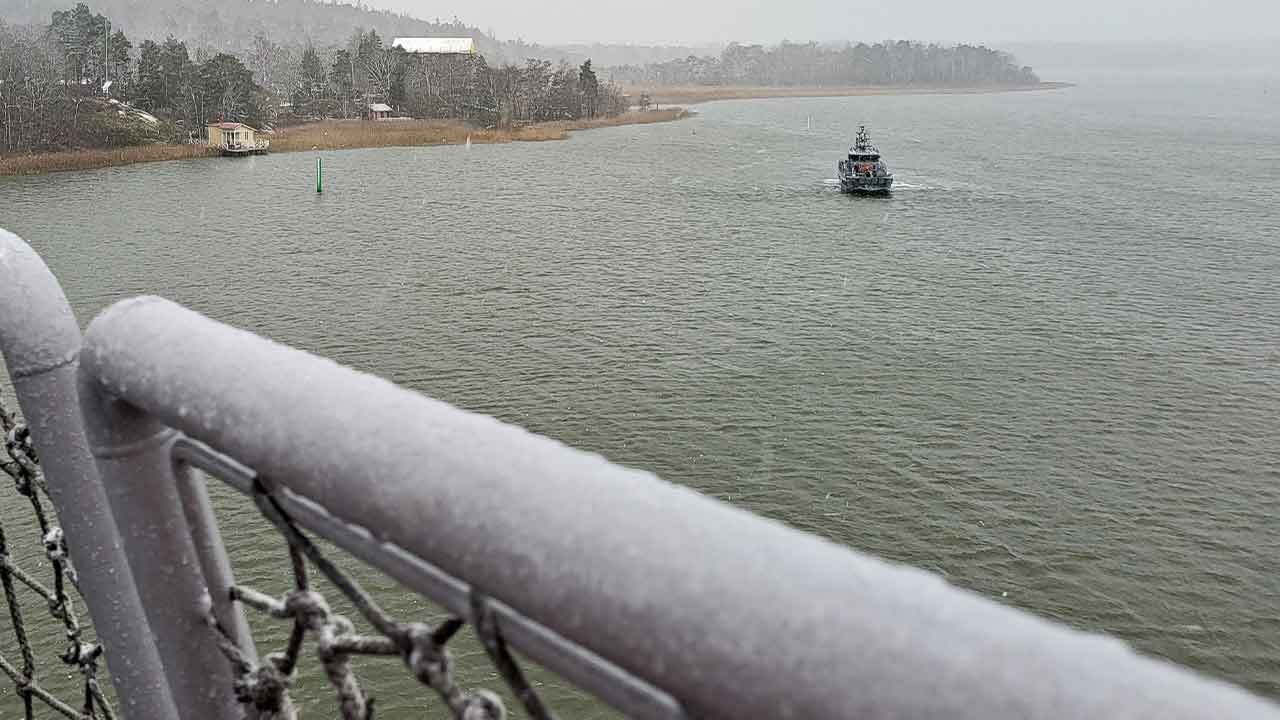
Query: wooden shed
x,y
231,135
234,138
379,111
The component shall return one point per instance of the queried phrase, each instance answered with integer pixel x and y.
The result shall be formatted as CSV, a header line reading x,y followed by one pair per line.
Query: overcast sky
x,y
769,21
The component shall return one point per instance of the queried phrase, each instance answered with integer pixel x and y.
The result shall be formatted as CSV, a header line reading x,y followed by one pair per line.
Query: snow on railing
x,y
660,601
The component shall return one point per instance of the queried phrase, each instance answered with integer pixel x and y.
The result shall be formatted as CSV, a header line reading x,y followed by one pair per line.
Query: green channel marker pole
x,y
319,175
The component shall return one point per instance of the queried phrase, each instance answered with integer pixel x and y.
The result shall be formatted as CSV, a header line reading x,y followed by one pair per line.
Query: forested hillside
x,y
61,83
789,64
231,25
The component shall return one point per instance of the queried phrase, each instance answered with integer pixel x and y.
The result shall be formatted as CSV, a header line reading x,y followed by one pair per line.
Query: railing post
x,y
41,344
134,455
215,566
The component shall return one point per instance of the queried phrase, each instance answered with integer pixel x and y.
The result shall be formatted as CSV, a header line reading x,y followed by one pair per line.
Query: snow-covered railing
x,y
662,602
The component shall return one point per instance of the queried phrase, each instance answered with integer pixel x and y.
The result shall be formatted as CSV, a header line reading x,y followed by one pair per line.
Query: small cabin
x,y
232,136
379,111
436,46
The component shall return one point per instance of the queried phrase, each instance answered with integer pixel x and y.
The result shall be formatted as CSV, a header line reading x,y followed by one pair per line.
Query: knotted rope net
x,y
80,655
263,689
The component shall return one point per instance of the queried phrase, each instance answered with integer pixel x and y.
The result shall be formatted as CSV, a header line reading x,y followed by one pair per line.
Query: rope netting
x,y
21,464
263,689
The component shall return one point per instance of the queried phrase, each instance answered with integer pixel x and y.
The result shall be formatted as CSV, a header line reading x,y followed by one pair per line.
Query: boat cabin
x,y
863,171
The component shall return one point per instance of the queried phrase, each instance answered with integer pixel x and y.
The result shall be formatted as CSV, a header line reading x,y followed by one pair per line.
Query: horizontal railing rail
x,y
636,588
660,601
607,681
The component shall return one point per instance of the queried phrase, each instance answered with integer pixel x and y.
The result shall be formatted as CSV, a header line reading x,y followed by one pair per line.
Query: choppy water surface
x,y
1046,368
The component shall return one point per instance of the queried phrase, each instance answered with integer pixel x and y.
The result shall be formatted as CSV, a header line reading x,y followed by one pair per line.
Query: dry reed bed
x,y
332,135
340,134
90,159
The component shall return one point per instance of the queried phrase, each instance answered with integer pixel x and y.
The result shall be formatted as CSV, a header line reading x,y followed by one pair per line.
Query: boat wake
x,y
834,184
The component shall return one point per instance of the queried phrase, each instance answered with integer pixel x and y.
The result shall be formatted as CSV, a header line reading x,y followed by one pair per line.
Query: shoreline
x,y
69,160
353,134
694,95
332,135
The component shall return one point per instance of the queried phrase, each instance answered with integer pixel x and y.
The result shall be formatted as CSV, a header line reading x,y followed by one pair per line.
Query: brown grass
x,y
333,135
631,118
339,134
699,94
90,159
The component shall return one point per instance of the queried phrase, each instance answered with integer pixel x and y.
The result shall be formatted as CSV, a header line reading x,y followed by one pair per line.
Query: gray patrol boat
x,y
864,171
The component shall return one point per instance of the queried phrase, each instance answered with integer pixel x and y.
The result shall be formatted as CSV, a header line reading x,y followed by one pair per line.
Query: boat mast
x,y
863,142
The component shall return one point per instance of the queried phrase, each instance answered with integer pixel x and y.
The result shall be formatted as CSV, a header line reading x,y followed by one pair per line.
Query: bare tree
x,y
380,68
31,91
262,60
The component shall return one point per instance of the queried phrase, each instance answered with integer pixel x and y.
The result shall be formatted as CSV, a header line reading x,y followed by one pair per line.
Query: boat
x,y
864,172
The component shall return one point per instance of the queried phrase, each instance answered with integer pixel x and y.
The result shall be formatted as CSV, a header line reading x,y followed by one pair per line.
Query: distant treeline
x,y
608,55
812,64
52,80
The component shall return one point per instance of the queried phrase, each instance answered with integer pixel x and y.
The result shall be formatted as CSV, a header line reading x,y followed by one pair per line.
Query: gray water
x,y
1047,367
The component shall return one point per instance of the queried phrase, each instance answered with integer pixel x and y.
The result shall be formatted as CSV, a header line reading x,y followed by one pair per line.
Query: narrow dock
x,y
262,147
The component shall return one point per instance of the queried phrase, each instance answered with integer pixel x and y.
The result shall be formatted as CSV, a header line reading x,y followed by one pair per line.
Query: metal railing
x,y
41,340
660,601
